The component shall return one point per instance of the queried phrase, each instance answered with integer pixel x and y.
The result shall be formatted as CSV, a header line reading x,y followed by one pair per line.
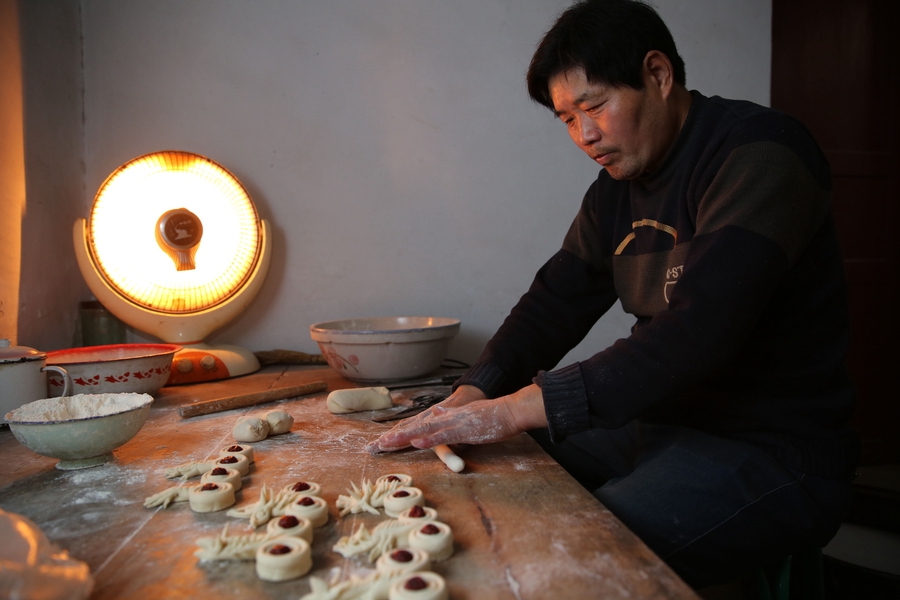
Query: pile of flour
x,y
81,406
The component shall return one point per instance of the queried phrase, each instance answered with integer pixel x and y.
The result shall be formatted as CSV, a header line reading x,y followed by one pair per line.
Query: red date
x,y
415,583
401,556
288,521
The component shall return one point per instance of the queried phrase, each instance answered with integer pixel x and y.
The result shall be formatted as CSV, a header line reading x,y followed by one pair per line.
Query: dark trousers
x,y
714,509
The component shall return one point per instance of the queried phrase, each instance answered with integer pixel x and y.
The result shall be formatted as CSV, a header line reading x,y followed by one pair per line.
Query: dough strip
x,y
447,456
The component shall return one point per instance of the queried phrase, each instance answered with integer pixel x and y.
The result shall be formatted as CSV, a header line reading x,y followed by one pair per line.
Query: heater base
x,y
204,362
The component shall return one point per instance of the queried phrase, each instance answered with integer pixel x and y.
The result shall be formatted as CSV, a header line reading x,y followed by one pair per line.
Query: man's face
x,y
620,128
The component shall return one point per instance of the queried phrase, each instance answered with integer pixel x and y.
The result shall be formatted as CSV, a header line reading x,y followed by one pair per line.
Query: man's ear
x,y
659,73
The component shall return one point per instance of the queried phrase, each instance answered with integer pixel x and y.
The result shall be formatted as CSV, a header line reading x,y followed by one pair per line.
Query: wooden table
x,y
523,527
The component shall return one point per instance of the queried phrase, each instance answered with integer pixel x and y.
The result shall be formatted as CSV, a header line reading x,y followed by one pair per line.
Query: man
x,y
718,430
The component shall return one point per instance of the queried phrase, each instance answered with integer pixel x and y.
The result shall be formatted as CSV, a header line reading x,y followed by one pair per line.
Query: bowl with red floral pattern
x,y
112,369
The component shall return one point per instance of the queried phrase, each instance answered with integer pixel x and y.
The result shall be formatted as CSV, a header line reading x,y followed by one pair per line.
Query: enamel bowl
x,y
384,349
113,369
81,430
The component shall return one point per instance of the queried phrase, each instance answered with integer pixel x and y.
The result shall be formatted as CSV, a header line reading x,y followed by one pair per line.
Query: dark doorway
x,y
836,67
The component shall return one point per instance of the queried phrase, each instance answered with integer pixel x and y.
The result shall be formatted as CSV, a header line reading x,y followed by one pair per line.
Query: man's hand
x,y
467,418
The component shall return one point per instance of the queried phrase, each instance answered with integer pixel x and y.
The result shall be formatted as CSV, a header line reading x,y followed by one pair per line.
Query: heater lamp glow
x,y
174,247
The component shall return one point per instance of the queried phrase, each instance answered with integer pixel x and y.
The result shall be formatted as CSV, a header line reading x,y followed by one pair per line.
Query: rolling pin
x,y
208,407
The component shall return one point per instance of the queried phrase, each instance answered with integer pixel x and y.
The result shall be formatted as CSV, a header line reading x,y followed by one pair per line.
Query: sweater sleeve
x,y
759,212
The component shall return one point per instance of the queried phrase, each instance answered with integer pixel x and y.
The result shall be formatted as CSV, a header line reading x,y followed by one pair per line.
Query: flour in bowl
x,y
81,406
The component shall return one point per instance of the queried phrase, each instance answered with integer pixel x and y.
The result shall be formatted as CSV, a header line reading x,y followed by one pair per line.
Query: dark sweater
x,y
728,256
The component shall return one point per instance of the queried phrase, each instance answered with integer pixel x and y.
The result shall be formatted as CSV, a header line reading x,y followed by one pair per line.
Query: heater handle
x,y
208,407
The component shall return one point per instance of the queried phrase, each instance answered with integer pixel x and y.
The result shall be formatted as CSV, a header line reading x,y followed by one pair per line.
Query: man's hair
x,y
608,39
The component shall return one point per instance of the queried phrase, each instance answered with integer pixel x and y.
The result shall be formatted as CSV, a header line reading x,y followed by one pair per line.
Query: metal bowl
x,y
80,430
113,369
384,349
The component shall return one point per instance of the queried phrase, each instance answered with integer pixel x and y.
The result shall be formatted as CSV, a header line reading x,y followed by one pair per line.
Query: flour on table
x,y
230,547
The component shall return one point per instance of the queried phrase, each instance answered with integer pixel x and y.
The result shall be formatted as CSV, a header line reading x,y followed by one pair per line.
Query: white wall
x,y
390,143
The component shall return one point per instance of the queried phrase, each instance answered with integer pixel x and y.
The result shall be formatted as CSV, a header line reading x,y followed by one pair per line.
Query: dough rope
x,y
189,469
167,497
231,547
273,504
386,536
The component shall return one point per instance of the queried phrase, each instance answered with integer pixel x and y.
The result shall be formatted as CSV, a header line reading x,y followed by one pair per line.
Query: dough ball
x,y
279,422
250,429
359,399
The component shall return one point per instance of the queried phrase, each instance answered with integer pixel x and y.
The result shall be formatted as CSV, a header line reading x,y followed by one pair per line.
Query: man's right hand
x,y
471,419
463,395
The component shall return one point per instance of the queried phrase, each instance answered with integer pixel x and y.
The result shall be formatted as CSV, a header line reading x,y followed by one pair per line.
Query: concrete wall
x,y
12,168
390,143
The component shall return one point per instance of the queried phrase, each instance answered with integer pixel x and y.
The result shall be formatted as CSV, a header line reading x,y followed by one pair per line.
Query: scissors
x,y
419,404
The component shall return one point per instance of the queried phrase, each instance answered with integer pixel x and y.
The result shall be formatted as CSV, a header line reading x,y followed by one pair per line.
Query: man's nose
x,y
588,131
